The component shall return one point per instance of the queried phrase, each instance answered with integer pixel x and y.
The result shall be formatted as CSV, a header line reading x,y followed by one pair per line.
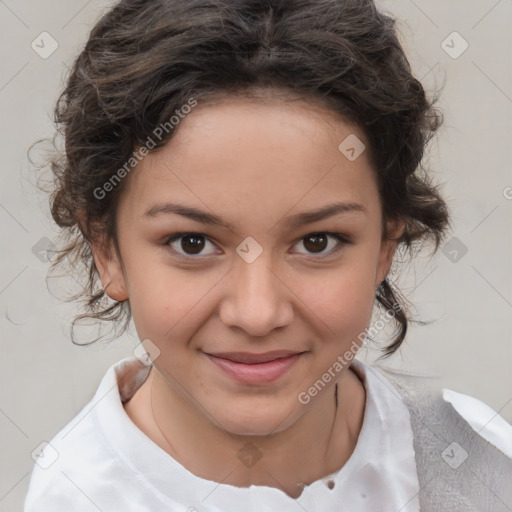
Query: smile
x,y
255,369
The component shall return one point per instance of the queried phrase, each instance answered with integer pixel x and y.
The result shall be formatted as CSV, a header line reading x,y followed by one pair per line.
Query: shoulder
x,y
483,419
75,466
59,478
462,446
422,394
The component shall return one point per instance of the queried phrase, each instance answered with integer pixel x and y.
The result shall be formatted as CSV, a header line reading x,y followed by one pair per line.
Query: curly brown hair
x,y
144,60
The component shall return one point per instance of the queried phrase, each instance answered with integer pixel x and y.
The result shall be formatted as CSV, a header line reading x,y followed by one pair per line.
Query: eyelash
x,y
341,238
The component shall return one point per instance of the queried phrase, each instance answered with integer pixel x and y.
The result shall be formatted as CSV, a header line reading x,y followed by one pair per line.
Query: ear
x,y
110,269
387,249
107,262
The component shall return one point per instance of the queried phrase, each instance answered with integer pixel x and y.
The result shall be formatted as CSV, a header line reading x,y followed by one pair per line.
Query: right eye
x,y
191,244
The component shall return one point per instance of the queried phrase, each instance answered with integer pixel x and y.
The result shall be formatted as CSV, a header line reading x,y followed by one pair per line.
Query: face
x,y
252,279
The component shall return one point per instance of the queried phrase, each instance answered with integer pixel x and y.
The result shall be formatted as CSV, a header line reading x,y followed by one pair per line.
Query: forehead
x,y
243,157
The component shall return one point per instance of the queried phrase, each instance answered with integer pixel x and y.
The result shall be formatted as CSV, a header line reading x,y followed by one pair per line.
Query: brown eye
x,y
189,244
192,244
316,243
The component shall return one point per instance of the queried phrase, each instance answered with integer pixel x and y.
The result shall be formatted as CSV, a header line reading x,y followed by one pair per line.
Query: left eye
x,y
317,242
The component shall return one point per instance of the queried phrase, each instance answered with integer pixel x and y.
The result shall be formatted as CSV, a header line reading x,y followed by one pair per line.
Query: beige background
x,y
46,380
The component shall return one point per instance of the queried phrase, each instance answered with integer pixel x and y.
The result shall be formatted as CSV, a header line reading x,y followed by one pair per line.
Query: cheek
x,y
341,301
159,298
170,304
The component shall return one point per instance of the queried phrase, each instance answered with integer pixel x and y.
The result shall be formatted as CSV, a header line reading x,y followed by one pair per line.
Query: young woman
x,y
237,178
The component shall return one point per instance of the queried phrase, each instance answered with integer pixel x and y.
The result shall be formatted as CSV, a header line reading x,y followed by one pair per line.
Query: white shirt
x,y
101,461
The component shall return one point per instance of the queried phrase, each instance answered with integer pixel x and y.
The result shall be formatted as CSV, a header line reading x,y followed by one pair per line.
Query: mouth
x,y
250,358
253,368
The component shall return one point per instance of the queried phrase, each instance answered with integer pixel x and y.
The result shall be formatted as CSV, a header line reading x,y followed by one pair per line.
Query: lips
x,y
255,369
251,358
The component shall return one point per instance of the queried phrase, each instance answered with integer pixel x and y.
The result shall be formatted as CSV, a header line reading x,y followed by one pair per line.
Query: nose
x,y
257,300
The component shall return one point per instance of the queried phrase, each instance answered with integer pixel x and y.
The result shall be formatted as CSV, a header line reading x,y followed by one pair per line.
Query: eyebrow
x,y
294,221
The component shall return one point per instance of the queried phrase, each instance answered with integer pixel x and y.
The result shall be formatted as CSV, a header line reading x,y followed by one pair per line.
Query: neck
x,y
326,434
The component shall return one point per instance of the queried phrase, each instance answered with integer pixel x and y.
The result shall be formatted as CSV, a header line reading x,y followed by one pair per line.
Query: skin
x,y
253,162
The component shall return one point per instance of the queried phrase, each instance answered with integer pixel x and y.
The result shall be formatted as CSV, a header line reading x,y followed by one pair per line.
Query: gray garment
x,y
458,470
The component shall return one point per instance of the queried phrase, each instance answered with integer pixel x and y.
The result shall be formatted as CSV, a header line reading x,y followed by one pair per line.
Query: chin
x,y
257,421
